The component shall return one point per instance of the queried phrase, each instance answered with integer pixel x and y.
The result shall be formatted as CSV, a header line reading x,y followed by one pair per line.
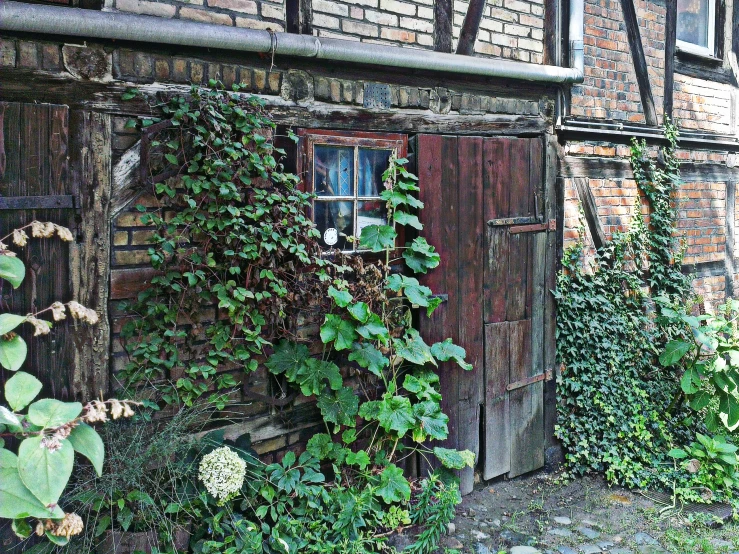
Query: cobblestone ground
x,y
541,515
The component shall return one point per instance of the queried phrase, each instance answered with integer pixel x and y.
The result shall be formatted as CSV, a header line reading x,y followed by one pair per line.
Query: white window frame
x,y
709,51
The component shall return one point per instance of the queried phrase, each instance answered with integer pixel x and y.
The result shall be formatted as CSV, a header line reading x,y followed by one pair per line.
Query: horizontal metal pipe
x,y
56,20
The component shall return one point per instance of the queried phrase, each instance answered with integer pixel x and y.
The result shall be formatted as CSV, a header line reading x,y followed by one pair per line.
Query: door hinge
x,y
550,225
548,375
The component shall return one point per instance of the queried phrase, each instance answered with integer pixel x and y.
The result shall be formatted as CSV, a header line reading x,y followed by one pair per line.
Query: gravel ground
x,y
541,513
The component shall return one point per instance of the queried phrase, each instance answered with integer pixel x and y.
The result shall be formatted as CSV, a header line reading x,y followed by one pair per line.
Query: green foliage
x,y
614,396
33,478
232,233
708,469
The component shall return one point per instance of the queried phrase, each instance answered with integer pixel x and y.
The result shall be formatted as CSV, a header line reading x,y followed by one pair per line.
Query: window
x,y
696,26
344,171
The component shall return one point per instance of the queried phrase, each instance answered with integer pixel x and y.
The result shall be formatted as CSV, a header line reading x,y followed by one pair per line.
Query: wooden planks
x,y
35,138
497,432
471,227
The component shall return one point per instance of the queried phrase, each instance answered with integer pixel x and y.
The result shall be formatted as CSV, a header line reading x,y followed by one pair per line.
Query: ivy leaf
x,y
433,421
413,349
338,331
85,440
360,311
8,418
420,256
315,374
340,407
12,270
374,329
360,459
288,358
393,486
377,237
677,453
674,352
414,291
370,358
455,459
8,322
341,297
397,197
407,219
447,350
48,412
13,353
45,473
21,389
396,414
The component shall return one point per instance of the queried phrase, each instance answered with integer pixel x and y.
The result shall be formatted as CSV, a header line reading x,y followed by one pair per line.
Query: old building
x,y
512,111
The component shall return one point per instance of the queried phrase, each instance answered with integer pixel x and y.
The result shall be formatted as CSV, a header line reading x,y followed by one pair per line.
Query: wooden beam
x,y
299,17
598,168
730,237
587,200
640,63
470,27
670,37
90,256
443,25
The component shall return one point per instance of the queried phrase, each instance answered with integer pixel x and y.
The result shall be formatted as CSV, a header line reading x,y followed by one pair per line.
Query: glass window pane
x,y
692,21
333,171
372,164
335,221
370,212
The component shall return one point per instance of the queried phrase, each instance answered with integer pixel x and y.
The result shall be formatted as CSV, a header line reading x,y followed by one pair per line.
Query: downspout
x,y
79,23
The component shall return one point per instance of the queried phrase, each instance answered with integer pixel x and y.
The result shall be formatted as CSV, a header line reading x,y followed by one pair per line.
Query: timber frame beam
x,y
640,63
443,25
470,27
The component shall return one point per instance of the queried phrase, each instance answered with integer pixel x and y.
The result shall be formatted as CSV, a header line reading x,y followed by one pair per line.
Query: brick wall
x,y
253,14
511,29
610,89
703,105
702,221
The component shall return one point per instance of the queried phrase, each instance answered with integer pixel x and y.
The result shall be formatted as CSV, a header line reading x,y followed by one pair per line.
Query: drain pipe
x,y
79,23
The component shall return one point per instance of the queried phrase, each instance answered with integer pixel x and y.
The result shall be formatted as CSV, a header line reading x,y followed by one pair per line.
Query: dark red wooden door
x,y
484,213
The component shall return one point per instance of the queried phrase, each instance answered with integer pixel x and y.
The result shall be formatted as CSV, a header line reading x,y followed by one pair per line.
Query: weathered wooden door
x,y
487,215
34,185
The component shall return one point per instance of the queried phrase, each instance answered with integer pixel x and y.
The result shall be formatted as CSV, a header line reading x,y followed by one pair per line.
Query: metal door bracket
x,y
548,375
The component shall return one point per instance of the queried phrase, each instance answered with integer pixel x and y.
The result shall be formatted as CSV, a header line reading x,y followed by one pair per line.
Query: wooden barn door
x,y
485,214
34,184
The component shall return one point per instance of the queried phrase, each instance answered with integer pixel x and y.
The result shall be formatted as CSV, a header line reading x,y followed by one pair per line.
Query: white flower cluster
x,y
222,472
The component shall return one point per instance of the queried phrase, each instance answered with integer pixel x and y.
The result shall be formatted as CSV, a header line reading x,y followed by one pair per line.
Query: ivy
x,y
614,395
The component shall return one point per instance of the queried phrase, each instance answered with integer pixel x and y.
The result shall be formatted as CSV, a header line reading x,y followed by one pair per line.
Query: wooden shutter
x,y
34,184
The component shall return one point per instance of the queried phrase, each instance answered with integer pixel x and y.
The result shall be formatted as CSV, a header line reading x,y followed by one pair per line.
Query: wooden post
x,y
591,211
470,27
730,237
640,63
443,23
90,255
670,37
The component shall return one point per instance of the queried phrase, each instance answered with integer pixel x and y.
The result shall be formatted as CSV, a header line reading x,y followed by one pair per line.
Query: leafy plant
x,y
232,233
710,468
613,397
37,465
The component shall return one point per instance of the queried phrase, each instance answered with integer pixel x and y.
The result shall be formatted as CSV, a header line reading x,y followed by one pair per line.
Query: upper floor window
x,y
344,171
696,26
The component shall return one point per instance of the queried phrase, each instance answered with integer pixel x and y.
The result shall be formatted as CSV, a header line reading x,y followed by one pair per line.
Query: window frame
x,y
310,138
714,20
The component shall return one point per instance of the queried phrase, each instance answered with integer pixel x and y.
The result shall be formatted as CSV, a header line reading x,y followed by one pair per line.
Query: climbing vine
x,y
613,394
241,281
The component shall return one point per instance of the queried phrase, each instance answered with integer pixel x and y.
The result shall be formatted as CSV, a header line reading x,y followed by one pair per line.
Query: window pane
x,y
370,212
334,171
335,221
692,21
372,164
